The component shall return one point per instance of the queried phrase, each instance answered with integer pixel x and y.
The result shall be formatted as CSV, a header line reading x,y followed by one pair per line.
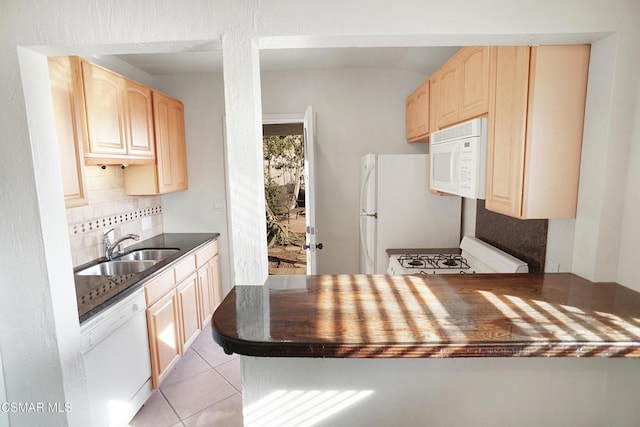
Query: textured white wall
x,y
358,111
243,138
38,326
201,208
4,417
40,331
453,392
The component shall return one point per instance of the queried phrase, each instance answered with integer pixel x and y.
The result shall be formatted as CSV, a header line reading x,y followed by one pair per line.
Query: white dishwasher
x,y
117,364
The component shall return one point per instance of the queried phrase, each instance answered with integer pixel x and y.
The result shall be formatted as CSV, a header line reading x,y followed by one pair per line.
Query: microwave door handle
x,y
455,162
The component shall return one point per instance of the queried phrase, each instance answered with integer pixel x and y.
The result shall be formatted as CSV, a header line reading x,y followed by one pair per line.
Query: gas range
x,y
476,257
429,264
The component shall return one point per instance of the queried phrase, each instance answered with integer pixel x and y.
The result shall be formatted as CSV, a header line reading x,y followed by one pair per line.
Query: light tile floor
x,y
202,390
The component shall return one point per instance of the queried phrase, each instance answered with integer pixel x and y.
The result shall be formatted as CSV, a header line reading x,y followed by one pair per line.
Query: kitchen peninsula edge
x,y
447,316
97,293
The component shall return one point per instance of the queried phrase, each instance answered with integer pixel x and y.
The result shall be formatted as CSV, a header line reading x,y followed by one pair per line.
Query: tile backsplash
x,y
109,207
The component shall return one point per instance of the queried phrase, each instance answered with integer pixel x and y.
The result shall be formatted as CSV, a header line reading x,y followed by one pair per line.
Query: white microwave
x,y
458,159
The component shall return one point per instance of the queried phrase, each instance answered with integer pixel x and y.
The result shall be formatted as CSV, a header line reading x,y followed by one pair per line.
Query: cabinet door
x,y
164,336
449,96
139,104
410,117
422,111
507,127
417,113
434,101
104,112
555,121
474,80
179,153
216,281
205,287
170,143
63,72
189,311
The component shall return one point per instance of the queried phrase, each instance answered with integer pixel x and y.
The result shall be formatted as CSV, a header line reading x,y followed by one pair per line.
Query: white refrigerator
x,y
397,210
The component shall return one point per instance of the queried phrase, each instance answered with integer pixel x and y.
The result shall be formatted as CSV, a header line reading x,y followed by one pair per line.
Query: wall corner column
x,y
245,180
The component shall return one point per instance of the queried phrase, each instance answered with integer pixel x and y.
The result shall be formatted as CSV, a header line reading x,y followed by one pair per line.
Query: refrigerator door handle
x,y
363,190
363,243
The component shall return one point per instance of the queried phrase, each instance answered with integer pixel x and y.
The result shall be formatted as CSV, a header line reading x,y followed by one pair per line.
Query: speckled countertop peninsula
x,y
482,315
96,293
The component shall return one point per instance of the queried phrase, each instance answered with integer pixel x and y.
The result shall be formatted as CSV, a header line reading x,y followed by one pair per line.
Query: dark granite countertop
x,y
479,315
96,293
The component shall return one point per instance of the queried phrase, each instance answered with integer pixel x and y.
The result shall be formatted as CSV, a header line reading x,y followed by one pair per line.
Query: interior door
x,y
312,244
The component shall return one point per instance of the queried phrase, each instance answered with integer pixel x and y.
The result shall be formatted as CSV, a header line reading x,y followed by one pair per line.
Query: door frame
x,y
270,119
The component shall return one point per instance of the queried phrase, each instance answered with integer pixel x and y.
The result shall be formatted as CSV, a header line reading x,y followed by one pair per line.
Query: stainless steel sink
x,y
117,268
148,254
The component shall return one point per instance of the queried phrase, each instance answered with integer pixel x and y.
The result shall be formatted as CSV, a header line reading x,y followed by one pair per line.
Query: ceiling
x,y
422,60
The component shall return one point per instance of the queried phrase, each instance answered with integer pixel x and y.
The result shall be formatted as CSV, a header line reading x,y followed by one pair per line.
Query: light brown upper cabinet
x,y
417,114
449,93
139,130
64,73
460,88
474,67
434,96
536,119
119,118
169,172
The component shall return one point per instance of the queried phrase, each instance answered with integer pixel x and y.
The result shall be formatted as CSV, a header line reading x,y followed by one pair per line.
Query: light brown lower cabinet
x,y
164,336
205,287
188,302
217,281
210,285
180,302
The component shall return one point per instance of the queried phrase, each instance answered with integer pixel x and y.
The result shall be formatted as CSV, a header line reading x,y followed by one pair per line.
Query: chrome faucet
x,y
109,247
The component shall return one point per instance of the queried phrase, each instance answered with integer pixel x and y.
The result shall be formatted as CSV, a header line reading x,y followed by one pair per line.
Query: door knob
x,y
318,246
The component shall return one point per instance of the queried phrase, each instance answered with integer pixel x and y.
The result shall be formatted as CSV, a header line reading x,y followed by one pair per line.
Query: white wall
x,y
628,271
4,417
38,332
201,208
358,111
450,392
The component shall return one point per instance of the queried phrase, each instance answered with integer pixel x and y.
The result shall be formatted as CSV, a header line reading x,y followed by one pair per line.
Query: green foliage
x,y
277,234
280,153
283,151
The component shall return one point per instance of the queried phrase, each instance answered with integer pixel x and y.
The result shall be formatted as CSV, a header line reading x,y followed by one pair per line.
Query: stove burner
x,y
411,261
450,262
